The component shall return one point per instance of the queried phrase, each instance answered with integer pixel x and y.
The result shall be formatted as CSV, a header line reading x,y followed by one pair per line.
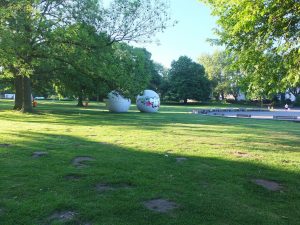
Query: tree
x,y
188,80
259,34
224,78
130,69
25,30
125,68
76,69
156,77
215,70
30,30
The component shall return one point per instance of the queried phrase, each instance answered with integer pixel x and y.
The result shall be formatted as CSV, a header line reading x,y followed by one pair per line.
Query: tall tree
x,y
25,26
224,78
258,32
188,80
130,69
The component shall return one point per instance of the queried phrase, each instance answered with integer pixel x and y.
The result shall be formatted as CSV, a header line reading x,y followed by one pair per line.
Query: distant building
x,y
288,95
9,96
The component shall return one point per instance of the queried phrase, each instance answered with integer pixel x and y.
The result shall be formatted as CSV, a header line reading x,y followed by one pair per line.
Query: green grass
x,y
213,187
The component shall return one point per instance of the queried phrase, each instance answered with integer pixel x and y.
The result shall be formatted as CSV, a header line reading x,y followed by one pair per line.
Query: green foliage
x,y
6,84
129,70
224,79
134,20
188,81
76,71
263,39
71,36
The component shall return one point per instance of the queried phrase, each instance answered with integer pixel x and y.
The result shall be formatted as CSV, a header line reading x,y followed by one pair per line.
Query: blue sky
x,y
188,37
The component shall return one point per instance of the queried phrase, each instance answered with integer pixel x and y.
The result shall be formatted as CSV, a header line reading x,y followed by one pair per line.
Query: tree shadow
x,y
208,190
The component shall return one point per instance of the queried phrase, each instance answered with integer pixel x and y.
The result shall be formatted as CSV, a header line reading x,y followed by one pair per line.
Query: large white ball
x,y
117,103
148,101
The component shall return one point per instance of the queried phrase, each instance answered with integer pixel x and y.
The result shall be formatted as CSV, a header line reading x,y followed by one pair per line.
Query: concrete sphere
x,y
148,101
117,103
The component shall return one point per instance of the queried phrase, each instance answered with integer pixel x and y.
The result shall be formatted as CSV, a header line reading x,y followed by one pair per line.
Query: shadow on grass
x,y
207,190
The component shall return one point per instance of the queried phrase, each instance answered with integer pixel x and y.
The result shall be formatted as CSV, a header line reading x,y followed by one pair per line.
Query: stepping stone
x,y
160,205
181,159
268,184
73,177
79,161
204,184
4,145
63,216
78,145
241,154
102,187
39,154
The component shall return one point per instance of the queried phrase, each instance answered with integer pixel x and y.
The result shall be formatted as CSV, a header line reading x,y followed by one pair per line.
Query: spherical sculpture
x,y
117,103
148,101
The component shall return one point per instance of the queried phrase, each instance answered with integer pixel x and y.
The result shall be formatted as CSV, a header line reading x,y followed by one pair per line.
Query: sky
x,y
188,37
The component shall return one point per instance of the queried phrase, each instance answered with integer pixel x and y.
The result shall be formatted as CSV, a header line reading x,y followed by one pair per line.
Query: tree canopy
x,y
224,79
188,81
263,38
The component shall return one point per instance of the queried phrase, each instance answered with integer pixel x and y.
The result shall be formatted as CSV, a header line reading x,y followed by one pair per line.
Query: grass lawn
x,y
204,166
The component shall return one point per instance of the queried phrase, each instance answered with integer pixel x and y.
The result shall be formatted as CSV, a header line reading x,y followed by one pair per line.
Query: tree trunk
x,y
27,101
235,97
223,95
282,97
185,101
80,100
18,92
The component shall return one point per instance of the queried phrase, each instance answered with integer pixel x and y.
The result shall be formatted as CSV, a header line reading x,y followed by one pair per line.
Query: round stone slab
x,y
268,184
181,159
102,187
160,205
63,216
73,177
39,154
79,161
